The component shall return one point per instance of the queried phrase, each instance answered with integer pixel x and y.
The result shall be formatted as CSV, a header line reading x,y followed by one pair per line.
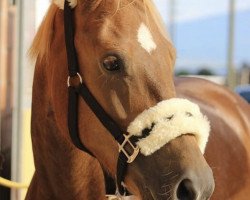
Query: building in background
x,y
7,64
244,75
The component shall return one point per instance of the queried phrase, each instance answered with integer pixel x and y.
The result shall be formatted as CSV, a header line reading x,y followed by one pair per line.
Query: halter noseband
x,y
82,90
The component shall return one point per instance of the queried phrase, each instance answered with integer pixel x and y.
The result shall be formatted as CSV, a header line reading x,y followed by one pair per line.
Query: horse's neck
x,y
62,171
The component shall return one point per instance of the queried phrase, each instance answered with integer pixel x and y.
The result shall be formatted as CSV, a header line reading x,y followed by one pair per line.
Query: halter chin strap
x,y
82,90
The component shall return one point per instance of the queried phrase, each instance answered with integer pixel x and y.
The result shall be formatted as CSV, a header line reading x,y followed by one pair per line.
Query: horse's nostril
x,y
186,191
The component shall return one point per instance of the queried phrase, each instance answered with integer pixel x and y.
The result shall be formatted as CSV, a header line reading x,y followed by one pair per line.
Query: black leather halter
x,y
81,89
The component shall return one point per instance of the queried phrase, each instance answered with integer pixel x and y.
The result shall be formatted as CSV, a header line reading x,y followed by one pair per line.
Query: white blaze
x,y
145,38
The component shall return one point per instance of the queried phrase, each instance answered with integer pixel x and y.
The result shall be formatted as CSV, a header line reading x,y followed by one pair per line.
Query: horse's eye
x,y
112,63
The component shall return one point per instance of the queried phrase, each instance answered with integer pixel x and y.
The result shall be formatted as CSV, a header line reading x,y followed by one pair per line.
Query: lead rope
x,y
82,90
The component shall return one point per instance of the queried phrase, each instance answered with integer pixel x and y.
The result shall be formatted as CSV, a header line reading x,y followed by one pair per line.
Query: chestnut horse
x,y
126,60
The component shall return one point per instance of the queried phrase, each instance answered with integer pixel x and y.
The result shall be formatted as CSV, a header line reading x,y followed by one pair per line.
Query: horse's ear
x,y
60,3
90,4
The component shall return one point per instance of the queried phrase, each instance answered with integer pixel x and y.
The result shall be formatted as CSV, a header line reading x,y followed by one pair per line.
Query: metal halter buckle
x,y
136,150
69,77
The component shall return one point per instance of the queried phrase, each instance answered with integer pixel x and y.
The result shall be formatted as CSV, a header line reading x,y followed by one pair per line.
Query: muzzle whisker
x,y
167,174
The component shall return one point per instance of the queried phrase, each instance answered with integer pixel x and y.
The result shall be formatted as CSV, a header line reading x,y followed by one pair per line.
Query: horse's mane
x,y
43,38
41,44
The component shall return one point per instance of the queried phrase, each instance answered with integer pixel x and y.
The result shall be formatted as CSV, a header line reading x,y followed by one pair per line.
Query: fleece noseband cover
x,y
168,120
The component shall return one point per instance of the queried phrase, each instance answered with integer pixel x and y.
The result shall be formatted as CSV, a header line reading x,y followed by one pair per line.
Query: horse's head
x,y
126,60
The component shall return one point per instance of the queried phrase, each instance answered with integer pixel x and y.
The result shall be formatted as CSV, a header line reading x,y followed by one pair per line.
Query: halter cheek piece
x,y
81,89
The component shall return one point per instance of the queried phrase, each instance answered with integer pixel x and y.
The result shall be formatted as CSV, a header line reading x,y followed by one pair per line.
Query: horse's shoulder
x,y
192,85
210,93
216,101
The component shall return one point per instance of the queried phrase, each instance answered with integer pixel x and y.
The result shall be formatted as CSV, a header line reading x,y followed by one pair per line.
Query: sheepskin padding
x,y
170,119
60,3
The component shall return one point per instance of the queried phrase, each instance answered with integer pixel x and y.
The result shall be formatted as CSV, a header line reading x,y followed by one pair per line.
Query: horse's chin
x,y
142,193
147,195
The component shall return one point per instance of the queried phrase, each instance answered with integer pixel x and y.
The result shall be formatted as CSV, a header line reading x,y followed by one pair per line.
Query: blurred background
x,y
212,39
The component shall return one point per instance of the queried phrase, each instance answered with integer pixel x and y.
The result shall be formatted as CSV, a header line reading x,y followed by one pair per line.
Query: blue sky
x,y
201,33
195,9
204,42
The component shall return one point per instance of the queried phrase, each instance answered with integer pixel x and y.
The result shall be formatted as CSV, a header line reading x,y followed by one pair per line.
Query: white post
x,y
172,7
22,164
231,75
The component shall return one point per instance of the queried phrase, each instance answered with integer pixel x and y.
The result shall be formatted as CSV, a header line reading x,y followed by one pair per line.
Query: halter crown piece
x,y
151,130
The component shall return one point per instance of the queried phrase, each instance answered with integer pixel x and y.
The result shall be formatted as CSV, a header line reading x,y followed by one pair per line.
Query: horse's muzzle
x,y
178,171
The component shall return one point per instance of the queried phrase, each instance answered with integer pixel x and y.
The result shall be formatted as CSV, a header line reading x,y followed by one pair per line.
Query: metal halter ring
x,y
69,77
136,150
